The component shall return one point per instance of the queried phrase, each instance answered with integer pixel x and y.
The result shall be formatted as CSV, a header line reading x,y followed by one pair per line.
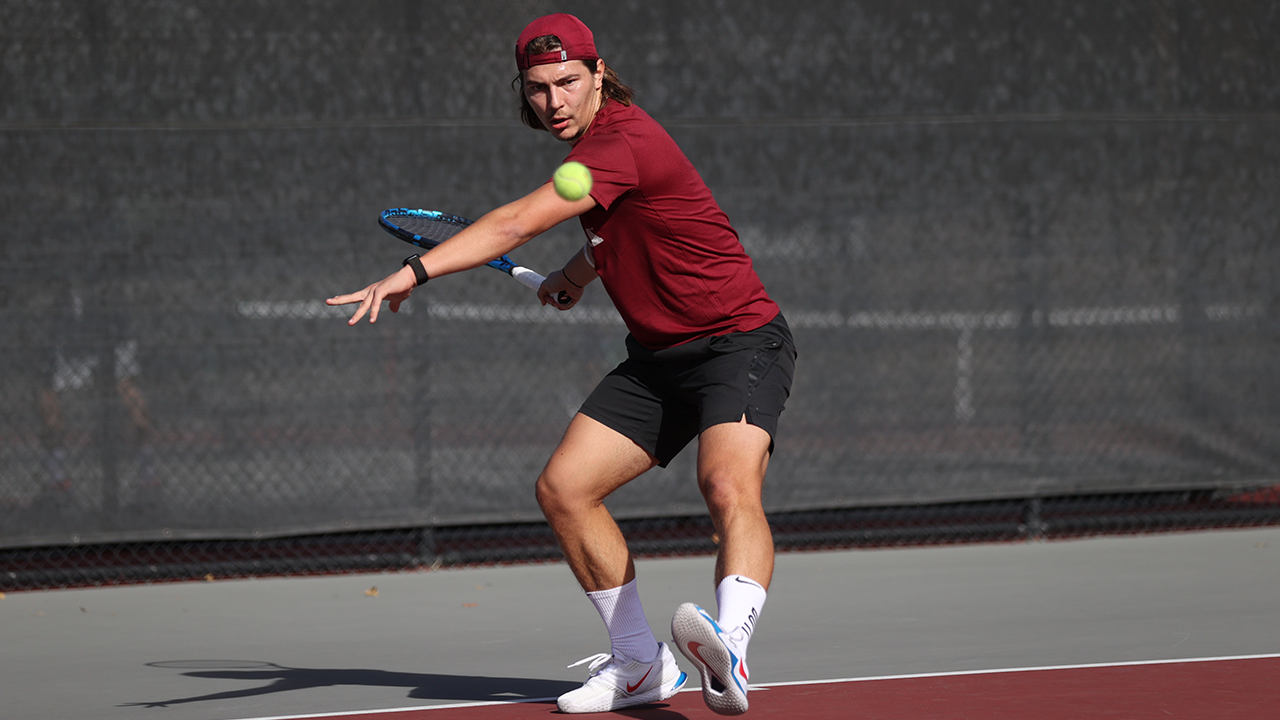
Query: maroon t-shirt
x,y
663,248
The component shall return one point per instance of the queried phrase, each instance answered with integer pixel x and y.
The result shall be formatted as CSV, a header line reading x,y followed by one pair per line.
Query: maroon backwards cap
x,y
576,41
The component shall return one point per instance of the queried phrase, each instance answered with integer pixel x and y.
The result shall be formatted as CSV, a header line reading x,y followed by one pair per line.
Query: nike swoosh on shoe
x,y
632,688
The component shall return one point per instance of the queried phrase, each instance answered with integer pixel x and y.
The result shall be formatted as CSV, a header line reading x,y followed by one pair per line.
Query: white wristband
x,y
588,255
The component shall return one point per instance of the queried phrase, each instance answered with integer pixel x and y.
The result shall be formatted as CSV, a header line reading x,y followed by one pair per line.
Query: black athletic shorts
x,y
662,399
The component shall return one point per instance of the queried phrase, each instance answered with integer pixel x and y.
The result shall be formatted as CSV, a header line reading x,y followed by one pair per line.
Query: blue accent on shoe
x,y
684,676
704,614
733,659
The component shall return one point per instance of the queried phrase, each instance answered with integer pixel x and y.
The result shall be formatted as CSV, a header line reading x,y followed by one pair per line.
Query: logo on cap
x,y
576,41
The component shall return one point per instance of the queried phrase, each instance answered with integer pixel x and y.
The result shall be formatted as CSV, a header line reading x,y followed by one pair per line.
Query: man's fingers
x,y
374,302
553,301
370,300
345,299
359,312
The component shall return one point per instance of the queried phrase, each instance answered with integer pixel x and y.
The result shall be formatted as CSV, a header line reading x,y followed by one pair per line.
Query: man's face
x,y
564,96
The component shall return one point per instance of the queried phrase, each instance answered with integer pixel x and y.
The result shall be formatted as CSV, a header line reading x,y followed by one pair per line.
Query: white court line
x,y
766,686
454,706
1042,668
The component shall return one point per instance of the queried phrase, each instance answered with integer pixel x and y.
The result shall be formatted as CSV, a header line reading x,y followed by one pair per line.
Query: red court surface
x,y
1214,688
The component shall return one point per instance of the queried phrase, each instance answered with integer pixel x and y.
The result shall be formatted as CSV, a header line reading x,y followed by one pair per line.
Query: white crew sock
x,y
740,600
629,634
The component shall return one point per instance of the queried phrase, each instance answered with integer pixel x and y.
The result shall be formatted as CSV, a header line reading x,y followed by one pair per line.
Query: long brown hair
x,y
611,87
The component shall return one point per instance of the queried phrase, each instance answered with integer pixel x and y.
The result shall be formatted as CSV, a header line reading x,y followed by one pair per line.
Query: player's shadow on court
x,y
269,678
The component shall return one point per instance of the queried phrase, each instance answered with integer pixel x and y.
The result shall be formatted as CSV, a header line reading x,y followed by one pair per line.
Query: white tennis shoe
x,y
723,671
615,684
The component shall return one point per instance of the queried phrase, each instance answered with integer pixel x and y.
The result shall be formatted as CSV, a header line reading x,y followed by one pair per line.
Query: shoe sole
x,y
698,638
657,694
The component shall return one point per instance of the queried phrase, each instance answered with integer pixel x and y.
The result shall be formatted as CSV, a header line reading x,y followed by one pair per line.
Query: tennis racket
x,y
429,228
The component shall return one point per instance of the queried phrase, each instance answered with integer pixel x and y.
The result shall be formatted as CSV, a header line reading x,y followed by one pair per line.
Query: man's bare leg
x,y
732,461
591,462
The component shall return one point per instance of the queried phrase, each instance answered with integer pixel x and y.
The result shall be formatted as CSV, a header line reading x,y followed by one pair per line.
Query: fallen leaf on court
x,y
470,604
208,578
1,596
372,592
84,609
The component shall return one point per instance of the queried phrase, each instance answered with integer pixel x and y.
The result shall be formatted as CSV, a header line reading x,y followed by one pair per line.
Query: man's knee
x,y
550,494
725,490
561,494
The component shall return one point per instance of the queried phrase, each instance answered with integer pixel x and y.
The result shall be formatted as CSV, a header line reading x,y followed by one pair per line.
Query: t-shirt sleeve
x,y
612,164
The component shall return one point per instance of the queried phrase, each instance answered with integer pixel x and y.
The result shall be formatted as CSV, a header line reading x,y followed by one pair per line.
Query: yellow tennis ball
x,y
573,181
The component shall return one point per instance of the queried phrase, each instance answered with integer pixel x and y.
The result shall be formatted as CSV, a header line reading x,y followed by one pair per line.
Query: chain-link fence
x,y
1029,255
1050,518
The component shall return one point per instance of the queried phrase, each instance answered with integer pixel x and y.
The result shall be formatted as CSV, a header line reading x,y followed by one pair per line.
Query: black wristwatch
x,y
419,272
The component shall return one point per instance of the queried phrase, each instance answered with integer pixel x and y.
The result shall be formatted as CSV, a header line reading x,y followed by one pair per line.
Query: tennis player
x,y
709,356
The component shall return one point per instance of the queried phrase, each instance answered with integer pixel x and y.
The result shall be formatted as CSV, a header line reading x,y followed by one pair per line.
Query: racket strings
x,y
436,230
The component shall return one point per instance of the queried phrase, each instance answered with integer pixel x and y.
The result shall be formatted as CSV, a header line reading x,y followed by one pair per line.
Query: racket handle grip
x,y
529,278
533,281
